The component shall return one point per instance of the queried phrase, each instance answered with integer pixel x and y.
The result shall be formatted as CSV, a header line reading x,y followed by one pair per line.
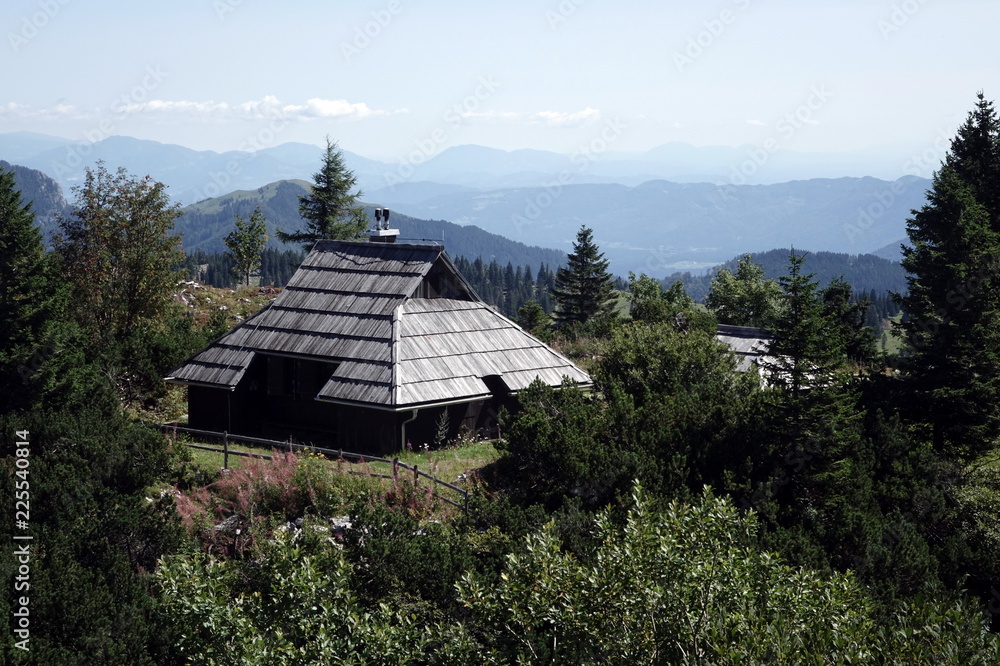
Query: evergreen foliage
x,y
30,298
852,320
653,594
864,272
532,318
951,326
583,288
217,269
508,289
331,210
95,537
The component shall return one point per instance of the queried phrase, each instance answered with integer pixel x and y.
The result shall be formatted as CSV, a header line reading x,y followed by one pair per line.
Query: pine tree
x,y
583,288
246,243
28,299
849,318
952,323
805,348
331,210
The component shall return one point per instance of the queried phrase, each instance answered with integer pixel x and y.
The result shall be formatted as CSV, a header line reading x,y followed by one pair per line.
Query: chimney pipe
x,y
382,233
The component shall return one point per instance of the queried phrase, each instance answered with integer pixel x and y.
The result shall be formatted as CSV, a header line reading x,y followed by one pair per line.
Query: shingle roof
x,y
357,304
749,344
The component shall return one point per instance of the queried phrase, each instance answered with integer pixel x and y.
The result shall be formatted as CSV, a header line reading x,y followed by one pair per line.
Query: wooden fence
x,y
336,454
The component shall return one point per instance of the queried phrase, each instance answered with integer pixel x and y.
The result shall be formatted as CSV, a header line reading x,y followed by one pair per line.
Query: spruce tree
x,y
331,210
28,299
951,327
849,318
583,288
806,348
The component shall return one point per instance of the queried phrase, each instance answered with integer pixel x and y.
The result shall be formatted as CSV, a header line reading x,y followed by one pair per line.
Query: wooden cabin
x,y
364,350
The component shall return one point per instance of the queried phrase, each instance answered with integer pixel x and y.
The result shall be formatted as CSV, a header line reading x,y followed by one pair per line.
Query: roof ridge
x,y
394,353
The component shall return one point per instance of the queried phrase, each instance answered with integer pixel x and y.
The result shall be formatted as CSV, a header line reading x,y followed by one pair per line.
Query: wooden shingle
x,y
368,310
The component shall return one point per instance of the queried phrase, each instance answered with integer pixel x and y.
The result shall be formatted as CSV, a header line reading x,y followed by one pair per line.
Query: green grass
x,y
449,463
446,464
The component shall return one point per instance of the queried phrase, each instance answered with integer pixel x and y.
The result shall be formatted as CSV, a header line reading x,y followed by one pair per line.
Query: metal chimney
x,y
382,233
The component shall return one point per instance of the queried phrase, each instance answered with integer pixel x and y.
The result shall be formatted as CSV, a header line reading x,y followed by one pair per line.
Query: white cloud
x,y
489,117
183,109
550,118
207,111
566,119
755,122
15,111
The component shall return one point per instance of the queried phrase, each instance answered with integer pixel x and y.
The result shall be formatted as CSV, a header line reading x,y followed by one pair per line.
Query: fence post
x,y
225,450
395,467
416,478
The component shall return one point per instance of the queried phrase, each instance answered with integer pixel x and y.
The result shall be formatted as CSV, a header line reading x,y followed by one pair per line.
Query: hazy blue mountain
x,y
660,227
42,193
18,146
191,175
415,192
892,251
642,221
196,175
204,226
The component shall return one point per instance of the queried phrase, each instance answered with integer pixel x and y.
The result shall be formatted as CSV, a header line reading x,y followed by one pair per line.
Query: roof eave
x,y
188,382
407,407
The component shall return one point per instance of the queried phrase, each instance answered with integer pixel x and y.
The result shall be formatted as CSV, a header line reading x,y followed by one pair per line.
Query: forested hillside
x,y
204,225
864,272
44,194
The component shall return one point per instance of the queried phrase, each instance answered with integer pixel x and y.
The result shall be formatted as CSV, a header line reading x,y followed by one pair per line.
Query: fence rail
x,y
336,454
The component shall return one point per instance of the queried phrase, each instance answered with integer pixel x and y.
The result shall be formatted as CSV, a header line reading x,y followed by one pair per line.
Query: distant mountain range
x,y
660,227
205,225
671,208
195,175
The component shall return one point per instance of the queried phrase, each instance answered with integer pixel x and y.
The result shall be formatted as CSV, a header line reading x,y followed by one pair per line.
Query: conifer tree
x,y
951,326
805,347
583,288
848,318
28,299
331,210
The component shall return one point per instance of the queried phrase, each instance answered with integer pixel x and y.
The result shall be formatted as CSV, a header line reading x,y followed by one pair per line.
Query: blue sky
x,y
387,77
